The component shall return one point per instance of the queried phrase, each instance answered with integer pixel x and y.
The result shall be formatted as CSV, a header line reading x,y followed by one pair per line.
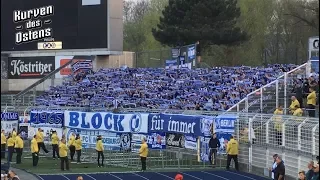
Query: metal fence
x,y
260,136
267,98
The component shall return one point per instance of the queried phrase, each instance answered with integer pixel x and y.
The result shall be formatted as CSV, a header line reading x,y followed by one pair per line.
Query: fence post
x,y
267,142
277,93
314,140
247,105
299,143
283,133
261,100
285,93
250,145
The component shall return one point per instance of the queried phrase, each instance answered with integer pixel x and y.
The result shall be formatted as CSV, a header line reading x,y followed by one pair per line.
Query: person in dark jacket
x,y
280,171
214,144
310,171
299,94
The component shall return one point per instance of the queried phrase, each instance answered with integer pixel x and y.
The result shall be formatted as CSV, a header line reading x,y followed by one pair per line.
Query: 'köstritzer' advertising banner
x,y
30,67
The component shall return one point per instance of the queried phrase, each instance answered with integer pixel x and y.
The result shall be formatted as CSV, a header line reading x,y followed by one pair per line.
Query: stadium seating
x,y
199,89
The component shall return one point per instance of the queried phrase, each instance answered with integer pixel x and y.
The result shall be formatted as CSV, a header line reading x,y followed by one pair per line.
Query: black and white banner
x,y
181,141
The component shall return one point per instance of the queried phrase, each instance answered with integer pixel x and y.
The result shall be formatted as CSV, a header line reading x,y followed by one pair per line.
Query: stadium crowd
x,y
199,89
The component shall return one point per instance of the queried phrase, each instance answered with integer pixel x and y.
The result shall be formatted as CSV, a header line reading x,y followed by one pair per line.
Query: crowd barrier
x,y
180,140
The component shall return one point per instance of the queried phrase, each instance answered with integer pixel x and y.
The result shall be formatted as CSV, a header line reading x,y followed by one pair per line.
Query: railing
x,y
267,98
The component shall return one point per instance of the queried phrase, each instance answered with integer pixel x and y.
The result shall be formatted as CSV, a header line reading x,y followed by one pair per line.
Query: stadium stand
x,y
200,89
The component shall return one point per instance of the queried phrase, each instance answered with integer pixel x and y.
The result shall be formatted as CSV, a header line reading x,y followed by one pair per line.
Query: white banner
x,y
314,44
110,141
190,143
8,125
121,123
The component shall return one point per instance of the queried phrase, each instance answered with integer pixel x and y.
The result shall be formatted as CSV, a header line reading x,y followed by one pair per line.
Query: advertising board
x,y
53,25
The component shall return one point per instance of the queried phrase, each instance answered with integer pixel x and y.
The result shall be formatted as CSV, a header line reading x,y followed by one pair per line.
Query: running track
x,y
189,175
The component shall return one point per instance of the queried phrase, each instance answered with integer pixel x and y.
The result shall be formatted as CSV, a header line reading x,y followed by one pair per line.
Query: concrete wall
x,y
115,61
115,25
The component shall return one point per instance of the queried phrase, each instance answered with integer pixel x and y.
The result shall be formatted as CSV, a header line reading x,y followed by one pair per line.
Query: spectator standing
x,y
34,151
40,140
10,144
99,149
55,146
78,145
63,152
19,148
214,144
310,171
232,151
278,124
274,165
298,90
72,148
280,170
3,144
143,152
311,102
302,175
316,172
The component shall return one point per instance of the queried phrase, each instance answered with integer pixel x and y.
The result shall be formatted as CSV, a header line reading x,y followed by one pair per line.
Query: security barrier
x,y
260,136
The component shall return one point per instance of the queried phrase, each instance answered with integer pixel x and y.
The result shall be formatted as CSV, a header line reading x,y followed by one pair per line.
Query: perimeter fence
x,y
260,136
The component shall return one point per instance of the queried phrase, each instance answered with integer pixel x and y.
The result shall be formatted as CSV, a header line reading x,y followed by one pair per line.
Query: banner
x,y
81,65
106,121
8,125
9,116
171,64
47,119
181,141
154,141
30,67
224,128
172,123
24,119
175,52
225,123
191,52
24,131
111,141
204,150
182,60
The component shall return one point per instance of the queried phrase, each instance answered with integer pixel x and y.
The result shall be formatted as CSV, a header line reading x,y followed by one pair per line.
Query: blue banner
x,y
182,60
9,116
107,121
172,123
171,62
225,123
47,118
191,52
